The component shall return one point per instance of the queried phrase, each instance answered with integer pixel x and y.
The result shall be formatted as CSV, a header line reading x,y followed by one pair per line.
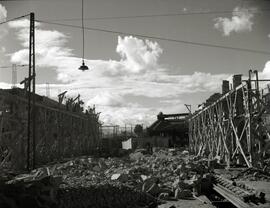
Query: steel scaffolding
x,y
232,129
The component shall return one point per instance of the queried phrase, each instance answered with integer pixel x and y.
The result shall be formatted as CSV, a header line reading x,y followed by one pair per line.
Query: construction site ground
x,y
122,182
181,203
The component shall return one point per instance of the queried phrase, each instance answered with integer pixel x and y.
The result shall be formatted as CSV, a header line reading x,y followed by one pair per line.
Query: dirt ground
x,y
186,204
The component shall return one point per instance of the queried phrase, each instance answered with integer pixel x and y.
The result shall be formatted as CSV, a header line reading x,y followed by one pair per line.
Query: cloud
x,y
138,55
48,43
106,99
128,115
4,85
3,49
3,13
3,16
162,85
23,23
110,83
269,36
241,21
265,74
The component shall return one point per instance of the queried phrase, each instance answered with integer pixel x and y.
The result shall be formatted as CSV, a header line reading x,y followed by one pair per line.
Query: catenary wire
x,y
162,15
158,38
13,19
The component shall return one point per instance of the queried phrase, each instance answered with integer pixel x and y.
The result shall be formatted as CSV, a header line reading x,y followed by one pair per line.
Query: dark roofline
x,y
176,116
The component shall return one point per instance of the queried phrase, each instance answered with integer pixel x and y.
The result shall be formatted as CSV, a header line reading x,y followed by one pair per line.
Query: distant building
x,y
172,128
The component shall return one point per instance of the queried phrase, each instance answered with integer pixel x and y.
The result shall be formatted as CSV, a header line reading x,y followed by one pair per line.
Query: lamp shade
x,y
83,67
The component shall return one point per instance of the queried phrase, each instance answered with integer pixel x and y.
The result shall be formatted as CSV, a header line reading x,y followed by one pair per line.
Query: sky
x,y
132,78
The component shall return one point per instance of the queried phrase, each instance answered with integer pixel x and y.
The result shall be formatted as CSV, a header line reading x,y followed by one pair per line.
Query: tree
x,y
138,129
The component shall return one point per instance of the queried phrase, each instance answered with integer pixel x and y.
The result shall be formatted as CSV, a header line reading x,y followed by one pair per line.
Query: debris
x,y
136,156
162,175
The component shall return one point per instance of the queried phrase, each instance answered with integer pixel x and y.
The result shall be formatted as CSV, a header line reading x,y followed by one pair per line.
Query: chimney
x,y
225,86
237,80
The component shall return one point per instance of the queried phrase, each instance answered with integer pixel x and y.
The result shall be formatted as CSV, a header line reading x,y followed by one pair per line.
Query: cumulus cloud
x,y
48,44
241,21
110,83
138,55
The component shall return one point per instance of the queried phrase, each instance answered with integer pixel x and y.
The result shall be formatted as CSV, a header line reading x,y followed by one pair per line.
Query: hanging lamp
x,y
83,67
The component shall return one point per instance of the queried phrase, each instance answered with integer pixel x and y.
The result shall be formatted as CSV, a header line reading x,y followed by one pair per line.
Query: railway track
x,y
240,195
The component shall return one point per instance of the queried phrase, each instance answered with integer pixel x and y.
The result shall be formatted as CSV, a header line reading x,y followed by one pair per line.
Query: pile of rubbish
x,y
27,191
172,171
137,180
253,174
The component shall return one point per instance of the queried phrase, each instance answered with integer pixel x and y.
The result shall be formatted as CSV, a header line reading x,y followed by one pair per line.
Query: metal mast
x,y
31,96
14,75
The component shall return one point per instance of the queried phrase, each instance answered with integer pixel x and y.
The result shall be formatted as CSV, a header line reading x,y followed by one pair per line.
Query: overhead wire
x,y
13,19
162,15
158,38
82,31
145,36
9,67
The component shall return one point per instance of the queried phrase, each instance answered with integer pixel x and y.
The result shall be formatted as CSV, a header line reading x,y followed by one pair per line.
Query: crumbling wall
x,y
59,132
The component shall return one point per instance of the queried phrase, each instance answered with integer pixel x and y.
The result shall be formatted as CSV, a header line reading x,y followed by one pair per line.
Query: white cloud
x,y
3,16
23,23
3,13
106,99
109,83
265,74
127,115
241,21
4,85
138,55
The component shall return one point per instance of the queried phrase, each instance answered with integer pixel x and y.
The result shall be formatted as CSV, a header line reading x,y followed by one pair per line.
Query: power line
x,y
158,38
9,67
16,18
162,15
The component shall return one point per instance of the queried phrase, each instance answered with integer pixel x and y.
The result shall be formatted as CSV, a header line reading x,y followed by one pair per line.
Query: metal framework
x,y
232,128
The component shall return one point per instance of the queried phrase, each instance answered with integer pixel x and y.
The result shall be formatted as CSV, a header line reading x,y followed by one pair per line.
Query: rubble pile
x,y
27,191
254,174
135,180
164,174
39,189
105,195
132,171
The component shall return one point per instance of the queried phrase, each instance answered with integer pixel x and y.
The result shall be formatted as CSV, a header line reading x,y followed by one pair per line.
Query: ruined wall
x,y
59,133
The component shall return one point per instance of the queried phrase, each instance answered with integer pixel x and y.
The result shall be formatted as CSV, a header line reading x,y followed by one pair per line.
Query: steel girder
x,y
228,128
